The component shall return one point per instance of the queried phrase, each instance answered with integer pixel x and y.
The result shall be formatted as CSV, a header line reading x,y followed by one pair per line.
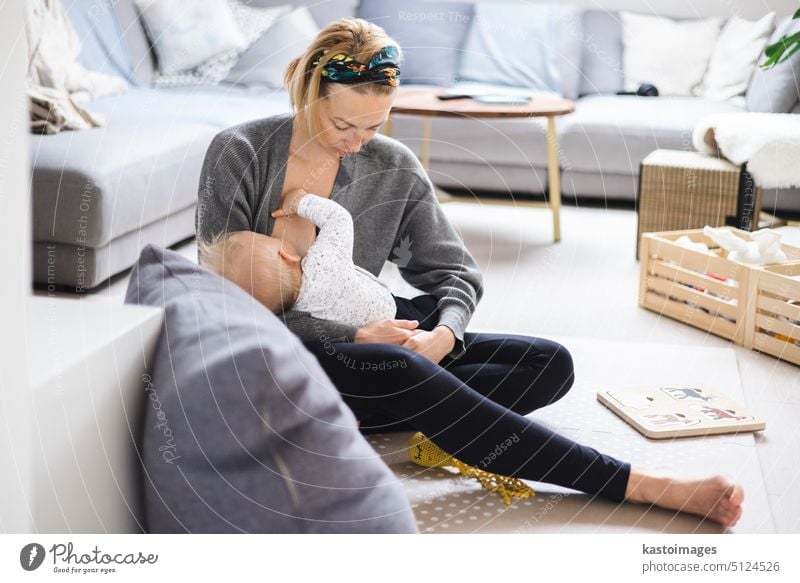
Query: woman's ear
x,y
288,256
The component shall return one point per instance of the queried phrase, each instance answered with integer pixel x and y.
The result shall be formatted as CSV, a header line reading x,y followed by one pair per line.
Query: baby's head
x,y
265,267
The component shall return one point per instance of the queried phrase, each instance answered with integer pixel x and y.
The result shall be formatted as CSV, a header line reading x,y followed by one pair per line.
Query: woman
x,y
466,392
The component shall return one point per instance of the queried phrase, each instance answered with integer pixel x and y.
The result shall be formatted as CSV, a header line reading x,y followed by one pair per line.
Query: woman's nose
x,y
355,142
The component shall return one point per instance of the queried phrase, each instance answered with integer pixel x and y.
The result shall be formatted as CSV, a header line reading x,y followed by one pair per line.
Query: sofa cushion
x,y
776,90
243,430
672,55
79,268
92,186
570,50
219,106
265,62
613,133
103,46
141,166
534,46
431,35
142,56
323,13
601,63
736,54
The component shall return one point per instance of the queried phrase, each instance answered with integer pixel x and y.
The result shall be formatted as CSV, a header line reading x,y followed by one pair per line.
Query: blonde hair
x,y
354,37
225,255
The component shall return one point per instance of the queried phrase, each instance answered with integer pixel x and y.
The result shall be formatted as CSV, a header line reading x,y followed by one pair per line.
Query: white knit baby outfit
x,y
333,287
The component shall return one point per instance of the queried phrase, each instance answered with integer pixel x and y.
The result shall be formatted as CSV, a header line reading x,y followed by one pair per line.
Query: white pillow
x,y
672,55
186,33
735,56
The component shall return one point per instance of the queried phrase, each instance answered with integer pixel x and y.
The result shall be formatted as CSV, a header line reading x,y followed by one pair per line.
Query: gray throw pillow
x,y
431,35
601,64
265,62
323,12
776,90
142,56
243,431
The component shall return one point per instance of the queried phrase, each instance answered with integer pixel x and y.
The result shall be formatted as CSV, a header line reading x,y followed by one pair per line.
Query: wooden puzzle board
x,y
679,411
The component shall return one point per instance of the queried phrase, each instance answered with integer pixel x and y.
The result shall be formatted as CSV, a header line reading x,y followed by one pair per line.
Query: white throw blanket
x,y
56,81
769,143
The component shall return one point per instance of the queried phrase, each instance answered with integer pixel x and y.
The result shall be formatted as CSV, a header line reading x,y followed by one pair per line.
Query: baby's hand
x,y
291,200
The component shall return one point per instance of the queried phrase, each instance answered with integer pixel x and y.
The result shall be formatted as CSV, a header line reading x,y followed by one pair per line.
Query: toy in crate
x,y
681,411
774,321
703,277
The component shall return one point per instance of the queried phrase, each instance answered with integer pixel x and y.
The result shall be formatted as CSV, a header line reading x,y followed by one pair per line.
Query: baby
x,y
325,283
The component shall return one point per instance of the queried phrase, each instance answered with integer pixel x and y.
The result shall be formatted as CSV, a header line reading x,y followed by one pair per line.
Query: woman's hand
x,y
433,345
289,203
387,332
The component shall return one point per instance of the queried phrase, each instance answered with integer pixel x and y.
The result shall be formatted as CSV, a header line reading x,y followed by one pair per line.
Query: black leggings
x,y
473,407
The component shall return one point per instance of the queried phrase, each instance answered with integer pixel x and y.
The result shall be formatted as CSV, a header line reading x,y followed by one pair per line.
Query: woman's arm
x,y
310,329
436,261
228,189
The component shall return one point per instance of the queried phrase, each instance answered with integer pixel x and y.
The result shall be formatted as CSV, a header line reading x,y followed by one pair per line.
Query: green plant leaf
x,y
796,14
790,52
781,50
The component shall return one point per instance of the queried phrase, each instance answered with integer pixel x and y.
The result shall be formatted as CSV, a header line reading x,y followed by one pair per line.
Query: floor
x,y
448,503
583,292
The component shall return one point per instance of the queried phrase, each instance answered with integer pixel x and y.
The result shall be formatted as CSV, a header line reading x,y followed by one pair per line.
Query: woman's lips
x,y
347,151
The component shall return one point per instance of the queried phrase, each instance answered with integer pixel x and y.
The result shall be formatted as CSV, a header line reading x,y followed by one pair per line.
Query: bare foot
x,y
715,498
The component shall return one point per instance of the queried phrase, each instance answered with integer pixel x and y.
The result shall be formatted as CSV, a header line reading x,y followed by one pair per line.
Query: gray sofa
x,y
101,195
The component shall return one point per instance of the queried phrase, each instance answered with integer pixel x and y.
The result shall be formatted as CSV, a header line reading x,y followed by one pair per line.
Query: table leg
x,y
425,157
425,153
553,177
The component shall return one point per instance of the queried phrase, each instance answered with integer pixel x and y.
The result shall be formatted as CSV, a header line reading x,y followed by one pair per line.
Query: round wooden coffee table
x,y
423,102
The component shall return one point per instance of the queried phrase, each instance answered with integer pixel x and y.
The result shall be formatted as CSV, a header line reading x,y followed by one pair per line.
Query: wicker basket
x,y
774,321
687,190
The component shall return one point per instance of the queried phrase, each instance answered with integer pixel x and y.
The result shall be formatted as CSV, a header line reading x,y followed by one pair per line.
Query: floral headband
x,y
382,68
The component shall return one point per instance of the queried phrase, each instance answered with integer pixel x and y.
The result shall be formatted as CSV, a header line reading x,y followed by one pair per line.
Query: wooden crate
x,y
704,290
773,323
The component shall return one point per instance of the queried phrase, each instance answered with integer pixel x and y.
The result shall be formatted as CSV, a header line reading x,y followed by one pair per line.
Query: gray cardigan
x,y
395,217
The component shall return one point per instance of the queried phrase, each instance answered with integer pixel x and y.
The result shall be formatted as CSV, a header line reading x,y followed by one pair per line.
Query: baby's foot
x,y
715,498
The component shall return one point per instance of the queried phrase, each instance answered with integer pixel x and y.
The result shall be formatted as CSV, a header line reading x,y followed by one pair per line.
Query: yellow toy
x,y
425,453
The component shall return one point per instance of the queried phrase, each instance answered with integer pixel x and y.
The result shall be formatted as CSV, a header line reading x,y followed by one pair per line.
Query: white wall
x,y
749,9
15,274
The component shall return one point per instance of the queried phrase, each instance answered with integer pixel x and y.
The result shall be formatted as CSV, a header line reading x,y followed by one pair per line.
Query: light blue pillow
x,y
514,44
103,46
601,66
430,35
